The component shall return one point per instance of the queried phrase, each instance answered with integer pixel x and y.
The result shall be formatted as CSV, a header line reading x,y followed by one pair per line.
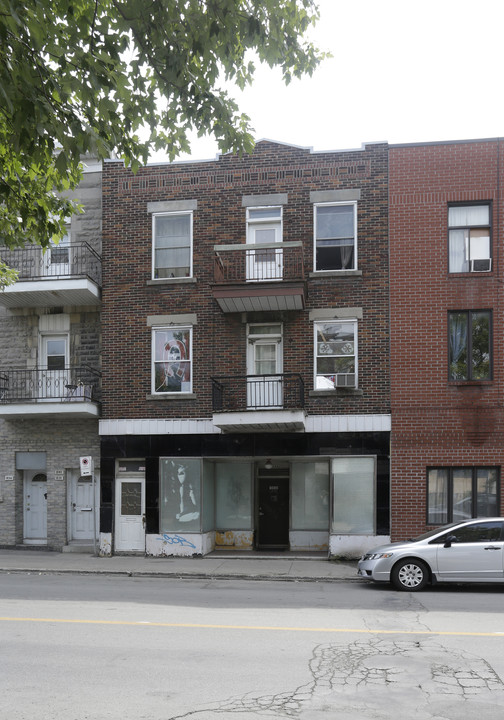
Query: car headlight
x,y
378,556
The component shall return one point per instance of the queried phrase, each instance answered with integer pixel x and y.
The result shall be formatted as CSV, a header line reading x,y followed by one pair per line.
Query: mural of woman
x,y
188,503
176,371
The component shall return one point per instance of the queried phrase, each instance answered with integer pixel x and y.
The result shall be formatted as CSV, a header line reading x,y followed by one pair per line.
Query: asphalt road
x,y
94,648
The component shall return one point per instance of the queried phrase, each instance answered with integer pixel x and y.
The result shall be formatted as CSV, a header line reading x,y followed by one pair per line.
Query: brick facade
x,y
437,422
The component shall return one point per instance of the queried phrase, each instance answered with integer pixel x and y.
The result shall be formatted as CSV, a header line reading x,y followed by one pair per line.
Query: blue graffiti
x,y
178,540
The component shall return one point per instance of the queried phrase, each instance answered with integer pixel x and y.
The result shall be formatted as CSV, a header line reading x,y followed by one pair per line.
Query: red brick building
x,y
447,450
246,353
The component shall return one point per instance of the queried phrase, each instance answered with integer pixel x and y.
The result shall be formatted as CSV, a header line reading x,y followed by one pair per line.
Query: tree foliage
x,y
125,78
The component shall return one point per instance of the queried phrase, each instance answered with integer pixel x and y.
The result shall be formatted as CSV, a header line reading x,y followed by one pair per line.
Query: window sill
x,y
335,273
171,281
469,383
172,396
337,392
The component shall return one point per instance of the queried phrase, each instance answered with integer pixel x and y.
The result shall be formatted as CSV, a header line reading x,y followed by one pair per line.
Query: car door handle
x,y
492,547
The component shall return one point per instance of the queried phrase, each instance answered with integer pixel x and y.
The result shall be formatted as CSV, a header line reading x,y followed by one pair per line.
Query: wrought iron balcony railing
x,y
72,384
236,393
247,262
62,261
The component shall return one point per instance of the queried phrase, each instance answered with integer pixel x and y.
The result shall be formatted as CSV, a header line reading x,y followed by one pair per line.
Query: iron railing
x,y
72,384
62,261
237,393
258,262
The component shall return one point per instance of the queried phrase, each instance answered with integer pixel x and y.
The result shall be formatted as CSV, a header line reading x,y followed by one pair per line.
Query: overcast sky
x,y
402,71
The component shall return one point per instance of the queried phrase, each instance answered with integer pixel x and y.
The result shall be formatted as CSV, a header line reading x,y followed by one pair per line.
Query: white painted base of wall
x,y
105,544
351,547
179,545
309,540
238,539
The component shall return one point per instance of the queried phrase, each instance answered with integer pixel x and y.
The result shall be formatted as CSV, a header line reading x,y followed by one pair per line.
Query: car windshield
x,y
429,534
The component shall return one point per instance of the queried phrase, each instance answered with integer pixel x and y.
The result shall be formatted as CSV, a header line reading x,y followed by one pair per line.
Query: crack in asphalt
x,y
361,679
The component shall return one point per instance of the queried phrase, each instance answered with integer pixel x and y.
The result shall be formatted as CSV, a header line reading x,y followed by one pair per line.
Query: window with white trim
x,y
172,244
172,360
335,354
335,227
469,238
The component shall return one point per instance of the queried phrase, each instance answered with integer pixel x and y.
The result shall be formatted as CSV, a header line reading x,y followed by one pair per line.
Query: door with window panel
x,y
53,376
264,367
264,227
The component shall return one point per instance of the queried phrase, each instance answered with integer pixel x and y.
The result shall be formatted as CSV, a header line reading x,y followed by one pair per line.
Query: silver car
x,y
468,551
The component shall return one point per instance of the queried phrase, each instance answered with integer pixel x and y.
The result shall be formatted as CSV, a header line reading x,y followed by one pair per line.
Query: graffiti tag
x,y
178,540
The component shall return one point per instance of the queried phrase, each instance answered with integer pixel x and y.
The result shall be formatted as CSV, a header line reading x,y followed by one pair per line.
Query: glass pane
x,y
437,496
353,495
172,226
172,367
459,250
208,500
458,346
180,495
480,245
467,215
264,213
480,532
310,496
462,494
233,496
265,359
265,330
486,487
131,498
481,346
56,347
335,221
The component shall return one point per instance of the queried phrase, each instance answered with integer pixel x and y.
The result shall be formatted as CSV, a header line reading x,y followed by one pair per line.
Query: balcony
x,y
264,403
67,392
259,277
69,274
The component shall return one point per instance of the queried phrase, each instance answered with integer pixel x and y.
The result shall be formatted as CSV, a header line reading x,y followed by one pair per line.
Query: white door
x,y
35,507
56,259
54,376
264,228
264,367
82,506
130,514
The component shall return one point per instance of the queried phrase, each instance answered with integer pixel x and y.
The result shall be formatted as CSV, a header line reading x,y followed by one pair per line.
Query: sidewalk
x,y
217,565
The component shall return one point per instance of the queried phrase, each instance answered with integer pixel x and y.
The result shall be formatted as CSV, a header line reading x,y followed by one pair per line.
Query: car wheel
x,y
410,575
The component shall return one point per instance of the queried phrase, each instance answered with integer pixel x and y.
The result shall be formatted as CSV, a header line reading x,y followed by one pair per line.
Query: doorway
x,y
264,366
130,514
34,507
82,506
272,508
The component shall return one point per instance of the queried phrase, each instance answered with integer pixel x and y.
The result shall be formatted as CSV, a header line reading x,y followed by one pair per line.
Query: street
x,y
92,648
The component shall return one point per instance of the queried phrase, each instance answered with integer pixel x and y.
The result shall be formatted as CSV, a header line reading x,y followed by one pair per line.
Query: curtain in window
x,y
458,346
437,501
468,215
459,251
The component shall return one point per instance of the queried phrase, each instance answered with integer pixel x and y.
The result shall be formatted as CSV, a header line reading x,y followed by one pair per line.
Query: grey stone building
x,y
50,384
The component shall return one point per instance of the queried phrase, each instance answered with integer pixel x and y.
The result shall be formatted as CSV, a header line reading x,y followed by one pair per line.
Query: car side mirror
x,y
449,540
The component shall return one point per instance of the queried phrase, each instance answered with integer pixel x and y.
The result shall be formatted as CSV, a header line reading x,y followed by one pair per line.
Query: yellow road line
x,y
199,626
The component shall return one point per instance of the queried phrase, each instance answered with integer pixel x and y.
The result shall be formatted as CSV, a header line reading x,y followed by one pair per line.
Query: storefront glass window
x,y
353,495
233,496
180,495
310,495
208,504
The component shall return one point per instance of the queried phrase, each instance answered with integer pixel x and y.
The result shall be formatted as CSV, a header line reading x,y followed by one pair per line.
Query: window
x,y
470,345
469,238
172,245
335,236
172,360
335,355
455,494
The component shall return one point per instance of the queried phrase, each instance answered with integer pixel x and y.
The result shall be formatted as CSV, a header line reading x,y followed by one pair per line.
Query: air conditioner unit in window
x,y
345,380
481,265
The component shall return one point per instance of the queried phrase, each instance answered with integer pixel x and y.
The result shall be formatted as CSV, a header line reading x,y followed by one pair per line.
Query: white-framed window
x,y
335,354
469,238
335,226
172,359
172,243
